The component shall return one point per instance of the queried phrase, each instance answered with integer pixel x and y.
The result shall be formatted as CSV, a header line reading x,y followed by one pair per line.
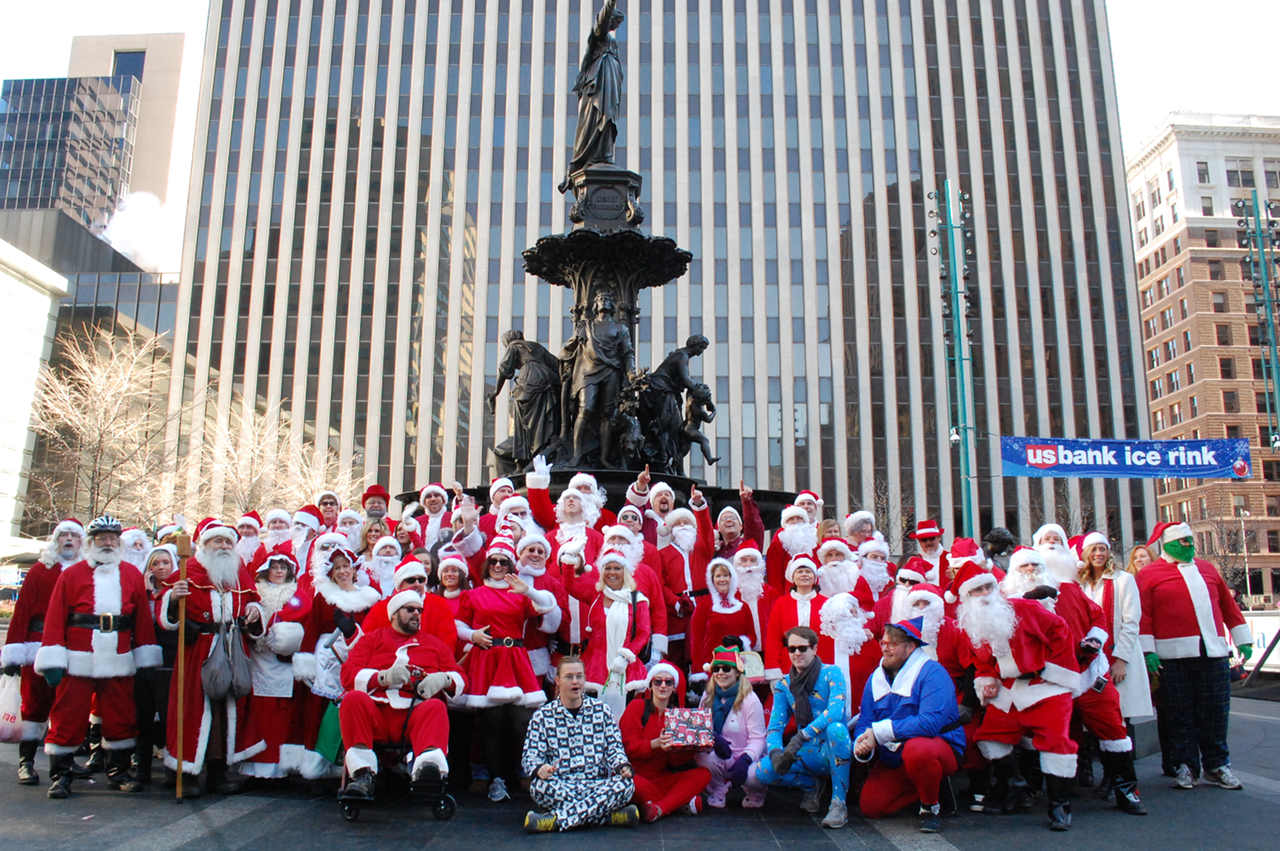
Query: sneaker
x,y
930,819
1183,778
539,822
628,816
1222,777
812,797
753,800
650,812
695,805
359,788
498,790
837,815
976,806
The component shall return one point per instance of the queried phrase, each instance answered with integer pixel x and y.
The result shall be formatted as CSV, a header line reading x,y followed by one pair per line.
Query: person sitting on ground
x,y
737,719
813,694
910,724
573,751
664,782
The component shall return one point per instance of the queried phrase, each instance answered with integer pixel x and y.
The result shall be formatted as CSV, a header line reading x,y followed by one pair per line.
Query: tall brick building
x,y
1202,344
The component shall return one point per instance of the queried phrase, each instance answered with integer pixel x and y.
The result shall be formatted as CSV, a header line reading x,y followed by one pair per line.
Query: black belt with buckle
x,y
35,625
202,628
507,642
102,623
701,592
566,648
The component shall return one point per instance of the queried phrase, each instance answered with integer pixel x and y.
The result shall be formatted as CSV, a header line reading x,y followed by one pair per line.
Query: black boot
x,y
27,775
1058,796
1124,787
1029,772
219,782
1008,793
1084,765
97,756
191,788
60,775
142,758
118,772
360,786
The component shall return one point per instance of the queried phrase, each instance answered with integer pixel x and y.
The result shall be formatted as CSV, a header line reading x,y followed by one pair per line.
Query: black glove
x,y
344,622
722,748
738,773
781,761
1041,592
796,743
53,676
12,670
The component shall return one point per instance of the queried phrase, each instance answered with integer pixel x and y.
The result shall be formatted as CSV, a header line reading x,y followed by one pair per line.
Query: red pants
x,y
1100,712
1049,725
364,721
69,718
37,700
670,790
924,763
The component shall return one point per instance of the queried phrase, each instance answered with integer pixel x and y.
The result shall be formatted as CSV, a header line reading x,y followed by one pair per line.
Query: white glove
x,y
540,466
433,684
571,552
394,677
619,664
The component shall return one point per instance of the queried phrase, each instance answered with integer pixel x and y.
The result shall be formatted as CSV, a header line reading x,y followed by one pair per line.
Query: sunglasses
x,y
799,648
507,562
417,580
722,669
662,681
413,610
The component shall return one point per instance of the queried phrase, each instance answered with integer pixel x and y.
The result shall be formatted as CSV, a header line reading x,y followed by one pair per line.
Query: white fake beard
x,y
932,623
223,567
847,629
633,553
1016,583
273,597
1061,561
384,570
876,573
798,538
750,584
299,538
246,547
276,537
988,620
838,577
567,532
98,556
591,510
583,520
684,537
900,611
353,537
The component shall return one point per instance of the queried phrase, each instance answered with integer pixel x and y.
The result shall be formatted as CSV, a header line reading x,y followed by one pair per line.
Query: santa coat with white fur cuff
x,y
104,590
382,648
687,573
502,674
1085,621
787,613
22,641
596,661
206,604
1185,604
1041,643
271,711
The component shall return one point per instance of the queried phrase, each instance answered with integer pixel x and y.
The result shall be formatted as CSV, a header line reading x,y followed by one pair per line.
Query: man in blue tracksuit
x,y
813,694
910,723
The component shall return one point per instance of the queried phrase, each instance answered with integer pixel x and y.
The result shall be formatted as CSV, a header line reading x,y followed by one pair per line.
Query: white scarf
x,y
802,606
430,529
1199,592
617,621
530,570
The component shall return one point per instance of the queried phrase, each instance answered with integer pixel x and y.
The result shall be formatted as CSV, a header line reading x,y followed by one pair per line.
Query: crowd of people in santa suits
x,y
540,642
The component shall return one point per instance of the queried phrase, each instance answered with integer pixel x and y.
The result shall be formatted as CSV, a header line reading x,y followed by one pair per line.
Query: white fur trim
x,y
1097,633
994,750
1094,538
1241,635
882,730
33,731
1176,532
1059,675
278,514
365,678
499,695
537,481
56,750
217,530
1116,745
148,656
19,653
165,623
285,638
1062,537
772,674
836,544
659,643
433,756
51,657
360,758
974,581
1147,643
119,744
916,595
794,511
627,654
459,684
1058,764
677,514
304,666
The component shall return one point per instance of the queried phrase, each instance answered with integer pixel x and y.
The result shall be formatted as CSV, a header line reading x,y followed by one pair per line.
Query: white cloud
x,y
147,232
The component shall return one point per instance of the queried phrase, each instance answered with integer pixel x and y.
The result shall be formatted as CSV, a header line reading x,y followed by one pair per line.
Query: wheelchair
x,y
394,782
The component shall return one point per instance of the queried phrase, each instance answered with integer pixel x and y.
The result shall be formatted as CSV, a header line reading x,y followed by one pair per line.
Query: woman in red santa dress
x,y
617,630
339,607
802,606
501,684
533,550
718,615
277,692
665,782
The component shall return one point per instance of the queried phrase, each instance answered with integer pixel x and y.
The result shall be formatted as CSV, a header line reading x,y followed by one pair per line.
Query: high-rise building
x,y
1203,347
367,173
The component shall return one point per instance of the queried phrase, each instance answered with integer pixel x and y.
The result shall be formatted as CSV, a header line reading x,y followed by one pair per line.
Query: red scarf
x,y
1109,611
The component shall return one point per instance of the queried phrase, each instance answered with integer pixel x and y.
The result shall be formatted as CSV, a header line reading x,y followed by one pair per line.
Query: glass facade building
x,y
67,144
367,173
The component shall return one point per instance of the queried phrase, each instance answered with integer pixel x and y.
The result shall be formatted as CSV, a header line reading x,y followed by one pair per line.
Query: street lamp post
x,y
1260,238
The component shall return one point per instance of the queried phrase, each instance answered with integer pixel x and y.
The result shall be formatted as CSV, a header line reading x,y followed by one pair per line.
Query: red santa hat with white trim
x,y
1166,532
969,577
916,568
851,520
794,512
838,545
70,524
802,560
503,546
401,599
500,482
873,545
309,516
215,529
452,559
408,567
817,500
584,479
279,514
331,493
925,591
250,518
434,487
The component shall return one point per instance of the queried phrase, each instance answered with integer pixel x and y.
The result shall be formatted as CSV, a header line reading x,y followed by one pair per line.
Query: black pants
x,y
502,738
1196,704
462,725
151,698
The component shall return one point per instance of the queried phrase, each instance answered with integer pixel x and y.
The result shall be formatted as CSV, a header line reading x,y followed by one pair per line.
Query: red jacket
x,y
785,615
752,531
26,627
1041,643
681,574
382,648
437,619
1179,602
637,738
776,560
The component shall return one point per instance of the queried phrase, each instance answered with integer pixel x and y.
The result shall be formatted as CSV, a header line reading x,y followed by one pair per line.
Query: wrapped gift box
x,y
690,727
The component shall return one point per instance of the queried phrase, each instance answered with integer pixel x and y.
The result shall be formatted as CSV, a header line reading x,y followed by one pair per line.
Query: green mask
x,y
1181,552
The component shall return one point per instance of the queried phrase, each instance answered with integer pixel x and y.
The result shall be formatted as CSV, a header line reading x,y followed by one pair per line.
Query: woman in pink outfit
x,y
737,718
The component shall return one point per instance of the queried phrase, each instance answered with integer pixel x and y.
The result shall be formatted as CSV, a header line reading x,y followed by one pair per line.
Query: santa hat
x,y
217,530
338,539
631,509
855,518
663,668
133,533
1167,532
584,479
679,514
531,538
275,556
968,578
372,491
794,511
500,482
309,516
162,548
817,500
1049,527
501,545
914,628
163,532
798,562
509,505
619,531
328,558
1024,556
250,518
612,556
926,529
916,568
383,541
407,569
1093,539
925,591
331,493
279,514
202,525
350,514
873,545
434,487
455,560
965,551
658,488
729,509
743,552
725,656
839,544
404,598
70,524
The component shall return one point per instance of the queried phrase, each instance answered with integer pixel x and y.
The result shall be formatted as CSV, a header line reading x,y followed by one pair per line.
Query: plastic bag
x,y
10,709
226,672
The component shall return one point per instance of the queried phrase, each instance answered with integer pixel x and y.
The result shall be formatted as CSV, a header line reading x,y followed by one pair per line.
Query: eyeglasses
x,y
722,669
662,681
799,648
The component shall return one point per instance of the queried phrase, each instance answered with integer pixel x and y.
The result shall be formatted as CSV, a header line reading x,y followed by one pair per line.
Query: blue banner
x,y
1042,457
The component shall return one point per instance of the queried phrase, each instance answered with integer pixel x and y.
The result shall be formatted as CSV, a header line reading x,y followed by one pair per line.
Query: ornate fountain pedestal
x,y
607,197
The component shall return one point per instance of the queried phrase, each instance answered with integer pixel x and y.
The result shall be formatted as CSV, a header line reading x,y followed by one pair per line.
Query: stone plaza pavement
x,y
290,817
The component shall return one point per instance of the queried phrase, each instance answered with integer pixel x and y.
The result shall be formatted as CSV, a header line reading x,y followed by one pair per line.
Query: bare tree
x,y
1225,546
894,520
101,413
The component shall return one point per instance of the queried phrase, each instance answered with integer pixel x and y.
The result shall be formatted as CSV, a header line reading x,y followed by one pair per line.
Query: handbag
x,y
11,709
226,672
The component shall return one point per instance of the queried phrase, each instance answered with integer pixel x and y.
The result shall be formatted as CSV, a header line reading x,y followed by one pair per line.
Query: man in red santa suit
x,y
437,614
250,547
873,564
857,653
894,608
26,632
435,517
1097,703
756,596
593,496
98,631
1051,542
391,677
928,536
684,570
1025,667
656,502
797,537
632,517
735,530
278,530
648,581
840,573
1187,608
802,606
307,525
859,527
221,605
944,637
964,552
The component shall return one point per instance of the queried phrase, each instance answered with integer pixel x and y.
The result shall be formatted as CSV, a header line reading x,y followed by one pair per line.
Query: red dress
x,y
714,618
501,674
596,657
